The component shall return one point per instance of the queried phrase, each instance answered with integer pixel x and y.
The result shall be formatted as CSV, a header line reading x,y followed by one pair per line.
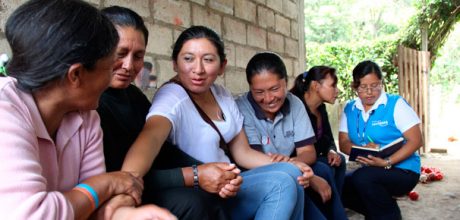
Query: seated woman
x,y
277,124
377,118
315,87
123,108
50,137
203,121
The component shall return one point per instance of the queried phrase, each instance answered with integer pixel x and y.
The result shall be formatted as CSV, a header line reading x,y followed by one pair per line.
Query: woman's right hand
x,y
122,182
213,177
307,173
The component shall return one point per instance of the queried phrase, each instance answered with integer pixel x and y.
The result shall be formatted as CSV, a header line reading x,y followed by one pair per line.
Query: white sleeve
x,y
343,127
405,117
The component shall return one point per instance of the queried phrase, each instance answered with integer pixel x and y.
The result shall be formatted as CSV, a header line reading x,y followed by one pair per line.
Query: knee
x,y
322,170
288,168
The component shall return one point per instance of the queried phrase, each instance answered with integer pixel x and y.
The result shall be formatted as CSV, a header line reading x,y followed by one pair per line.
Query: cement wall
x,y
247,26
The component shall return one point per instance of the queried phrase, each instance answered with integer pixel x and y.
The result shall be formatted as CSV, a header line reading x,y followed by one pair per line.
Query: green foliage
x,y
439,17
342,33
446,69
344,57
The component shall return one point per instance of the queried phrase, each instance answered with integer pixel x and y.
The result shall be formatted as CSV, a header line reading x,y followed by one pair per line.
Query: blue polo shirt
x,y
290,129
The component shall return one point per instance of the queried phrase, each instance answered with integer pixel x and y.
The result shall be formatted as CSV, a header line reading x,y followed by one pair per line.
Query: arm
x,y
147,145
244,155
306,154
414,140
345,143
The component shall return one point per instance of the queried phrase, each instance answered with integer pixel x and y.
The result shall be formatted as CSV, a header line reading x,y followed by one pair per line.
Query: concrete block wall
x,y
247,27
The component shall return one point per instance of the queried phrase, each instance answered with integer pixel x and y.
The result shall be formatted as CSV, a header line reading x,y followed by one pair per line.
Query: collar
x,y
70,124
285,108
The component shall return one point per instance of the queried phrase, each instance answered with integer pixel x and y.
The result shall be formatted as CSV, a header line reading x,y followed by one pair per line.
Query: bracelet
x,y
89,192
196,184
388,166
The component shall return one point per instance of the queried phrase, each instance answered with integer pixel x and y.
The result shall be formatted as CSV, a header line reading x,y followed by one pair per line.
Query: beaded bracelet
x,y
89,192
196,184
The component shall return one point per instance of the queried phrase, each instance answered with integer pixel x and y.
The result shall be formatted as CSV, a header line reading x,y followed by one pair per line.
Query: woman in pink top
x,y
50,137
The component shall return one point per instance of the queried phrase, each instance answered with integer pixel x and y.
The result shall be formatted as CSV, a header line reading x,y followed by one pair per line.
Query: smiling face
x,y
269,92
369,90
198,65
327,90
130,52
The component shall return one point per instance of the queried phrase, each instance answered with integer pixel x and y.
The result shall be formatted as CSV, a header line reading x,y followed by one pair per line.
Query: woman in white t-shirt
x,y
269,190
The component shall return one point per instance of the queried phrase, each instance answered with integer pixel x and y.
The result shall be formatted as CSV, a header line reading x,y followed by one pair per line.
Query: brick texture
x,y
246,26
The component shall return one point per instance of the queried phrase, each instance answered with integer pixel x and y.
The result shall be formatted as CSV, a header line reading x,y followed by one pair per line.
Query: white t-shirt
x,y
405,117
189,131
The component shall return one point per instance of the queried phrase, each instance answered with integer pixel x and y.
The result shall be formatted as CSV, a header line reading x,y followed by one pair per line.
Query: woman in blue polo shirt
x,y
377,118
277,124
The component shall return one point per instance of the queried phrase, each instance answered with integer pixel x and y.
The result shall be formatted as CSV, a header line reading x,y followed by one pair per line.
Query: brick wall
x,y
247,26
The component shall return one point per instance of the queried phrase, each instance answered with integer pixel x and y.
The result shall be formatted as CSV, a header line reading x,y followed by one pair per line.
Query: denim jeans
x,y
315,208
337,172
269,192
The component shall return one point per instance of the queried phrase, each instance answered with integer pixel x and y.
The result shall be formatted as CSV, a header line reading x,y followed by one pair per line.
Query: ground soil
x,y
437,200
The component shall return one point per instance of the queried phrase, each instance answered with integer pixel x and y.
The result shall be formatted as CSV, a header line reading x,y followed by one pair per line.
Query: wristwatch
x,y
388,166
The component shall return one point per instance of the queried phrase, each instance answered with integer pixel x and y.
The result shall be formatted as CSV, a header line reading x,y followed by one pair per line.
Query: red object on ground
x,y
413,195
429,174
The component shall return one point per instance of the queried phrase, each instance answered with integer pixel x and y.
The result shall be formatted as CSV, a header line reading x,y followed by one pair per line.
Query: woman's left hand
x,y
371,161
278,157
307,173
334,158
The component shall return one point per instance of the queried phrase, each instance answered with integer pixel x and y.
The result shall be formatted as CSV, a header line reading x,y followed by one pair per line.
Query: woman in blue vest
x,y
375,119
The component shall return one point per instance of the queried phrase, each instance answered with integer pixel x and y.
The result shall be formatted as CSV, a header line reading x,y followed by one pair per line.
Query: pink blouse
x,y
35,170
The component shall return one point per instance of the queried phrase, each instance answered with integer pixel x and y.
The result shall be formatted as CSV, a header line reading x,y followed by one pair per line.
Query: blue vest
x,y
380,127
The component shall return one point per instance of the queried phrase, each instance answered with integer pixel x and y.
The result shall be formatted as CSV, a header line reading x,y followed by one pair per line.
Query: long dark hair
x,y
317,73
47,37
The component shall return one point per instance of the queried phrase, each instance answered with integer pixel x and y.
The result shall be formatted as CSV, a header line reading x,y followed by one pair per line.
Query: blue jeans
x,y
269,192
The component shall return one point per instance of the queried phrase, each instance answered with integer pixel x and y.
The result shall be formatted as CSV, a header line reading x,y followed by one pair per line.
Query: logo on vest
x,y
380,123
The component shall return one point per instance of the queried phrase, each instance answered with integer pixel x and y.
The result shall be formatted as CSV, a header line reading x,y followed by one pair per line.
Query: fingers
x,y
303,181
116,202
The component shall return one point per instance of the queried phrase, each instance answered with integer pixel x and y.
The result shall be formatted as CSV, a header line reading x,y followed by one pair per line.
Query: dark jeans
x,y
337,172
370,191
314,207
188,203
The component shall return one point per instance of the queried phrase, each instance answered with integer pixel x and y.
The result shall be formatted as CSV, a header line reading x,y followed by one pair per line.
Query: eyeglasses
x,y
373,88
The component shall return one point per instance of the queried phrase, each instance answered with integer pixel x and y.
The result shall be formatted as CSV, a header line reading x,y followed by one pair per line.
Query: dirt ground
x,y
437,200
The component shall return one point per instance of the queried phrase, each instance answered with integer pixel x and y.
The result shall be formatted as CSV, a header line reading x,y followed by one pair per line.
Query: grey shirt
x,y
290,129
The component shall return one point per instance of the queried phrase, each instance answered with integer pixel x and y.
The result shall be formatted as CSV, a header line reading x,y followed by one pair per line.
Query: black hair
x,y
364,68
125,17
196,32
317,73
265,61
47,37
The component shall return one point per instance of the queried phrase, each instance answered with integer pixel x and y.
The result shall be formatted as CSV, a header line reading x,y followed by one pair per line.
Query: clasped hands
x,y
221,178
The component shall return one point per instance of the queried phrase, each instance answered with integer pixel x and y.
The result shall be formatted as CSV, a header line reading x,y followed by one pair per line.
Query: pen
x,y
370,139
